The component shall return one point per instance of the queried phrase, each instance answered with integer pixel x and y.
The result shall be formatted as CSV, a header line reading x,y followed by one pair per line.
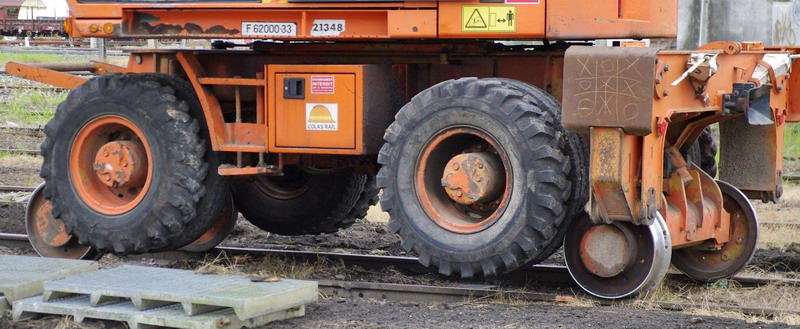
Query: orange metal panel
x,y
227,23
114,10
465,19
327,122
598,19
412,23
318,121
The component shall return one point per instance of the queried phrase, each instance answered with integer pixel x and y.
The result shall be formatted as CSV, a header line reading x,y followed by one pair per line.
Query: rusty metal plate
x,y
609,87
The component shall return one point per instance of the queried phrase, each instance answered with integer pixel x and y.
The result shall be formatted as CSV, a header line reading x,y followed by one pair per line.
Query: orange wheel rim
x,y
446,209
110,165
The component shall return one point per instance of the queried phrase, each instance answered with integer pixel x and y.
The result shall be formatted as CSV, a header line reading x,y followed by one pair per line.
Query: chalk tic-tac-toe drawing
x,y
610,87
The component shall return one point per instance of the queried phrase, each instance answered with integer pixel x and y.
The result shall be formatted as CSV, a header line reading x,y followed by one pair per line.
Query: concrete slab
x,y
171,316
151,287
22,276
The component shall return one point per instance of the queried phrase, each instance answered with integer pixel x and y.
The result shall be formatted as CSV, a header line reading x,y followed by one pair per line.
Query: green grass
x,y
30,107
791,141
38,58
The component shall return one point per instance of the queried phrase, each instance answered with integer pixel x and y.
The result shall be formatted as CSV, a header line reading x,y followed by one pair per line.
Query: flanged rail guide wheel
x,y
619,259
48,235
474,177
707,262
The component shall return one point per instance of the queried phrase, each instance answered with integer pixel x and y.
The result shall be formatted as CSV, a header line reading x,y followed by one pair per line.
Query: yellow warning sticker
x,y
488,18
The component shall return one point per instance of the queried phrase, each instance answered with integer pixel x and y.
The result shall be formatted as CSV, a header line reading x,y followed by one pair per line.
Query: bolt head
x,y
459,193
478,178
456,166
480,165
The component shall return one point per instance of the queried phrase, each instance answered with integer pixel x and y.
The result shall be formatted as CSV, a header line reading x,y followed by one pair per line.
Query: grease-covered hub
x,y
607,250
110,165
463,179
121,164
474,177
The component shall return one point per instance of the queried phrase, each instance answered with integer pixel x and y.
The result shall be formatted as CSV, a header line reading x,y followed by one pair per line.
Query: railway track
x,y
469,292
14,188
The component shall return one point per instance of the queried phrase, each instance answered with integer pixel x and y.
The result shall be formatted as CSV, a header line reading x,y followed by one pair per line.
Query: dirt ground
x,y
344,313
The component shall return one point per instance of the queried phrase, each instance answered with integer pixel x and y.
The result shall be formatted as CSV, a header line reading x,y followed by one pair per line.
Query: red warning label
x,y
322,84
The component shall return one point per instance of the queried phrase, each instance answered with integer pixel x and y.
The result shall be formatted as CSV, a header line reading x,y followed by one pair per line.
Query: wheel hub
x,y
607,250
473,178
121,164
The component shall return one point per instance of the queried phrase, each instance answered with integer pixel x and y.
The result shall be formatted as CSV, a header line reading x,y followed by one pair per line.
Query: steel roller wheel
x,y
223,226
619,259
708,262
473,177
48,235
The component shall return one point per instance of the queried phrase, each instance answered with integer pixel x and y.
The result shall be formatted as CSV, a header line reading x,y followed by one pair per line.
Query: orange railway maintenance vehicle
x,y
495,133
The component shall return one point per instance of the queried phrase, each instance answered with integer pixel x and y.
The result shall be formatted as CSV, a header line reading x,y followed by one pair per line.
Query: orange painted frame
x,y
603,19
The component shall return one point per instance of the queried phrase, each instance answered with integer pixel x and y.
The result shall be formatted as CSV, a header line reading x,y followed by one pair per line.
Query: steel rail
x,y
15,188
540,272
36,129
20,151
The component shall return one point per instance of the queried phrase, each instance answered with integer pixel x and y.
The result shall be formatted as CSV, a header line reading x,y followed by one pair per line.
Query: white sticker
x,y
321,116
269,29
322,84
327,27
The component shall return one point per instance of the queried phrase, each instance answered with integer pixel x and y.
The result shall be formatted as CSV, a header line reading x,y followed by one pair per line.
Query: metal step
x,y
172,315
151,287
22,276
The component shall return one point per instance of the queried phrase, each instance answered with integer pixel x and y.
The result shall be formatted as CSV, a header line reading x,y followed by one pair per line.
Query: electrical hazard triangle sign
x,y
476,21
488,18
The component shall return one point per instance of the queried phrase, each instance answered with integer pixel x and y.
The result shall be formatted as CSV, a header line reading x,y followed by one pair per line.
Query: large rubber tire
x,y
178,169
313,203
529,137
708,152
575,149
217,187
703,153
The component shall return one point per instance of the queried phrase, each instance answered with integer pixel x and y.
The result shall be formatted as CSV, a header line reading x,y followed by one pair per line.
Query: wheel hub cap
x,y
607,250
121,164
473,178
